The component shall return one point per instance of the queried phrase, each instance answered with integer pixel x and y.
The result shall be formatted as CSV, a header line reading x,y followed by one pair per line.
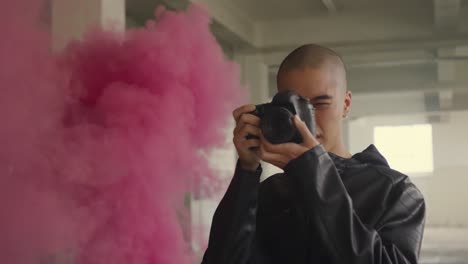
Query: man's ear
x,y
347,103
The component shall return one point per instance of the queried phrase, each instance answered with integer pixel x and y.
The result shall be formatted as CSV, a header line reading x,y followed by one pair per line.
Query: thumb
x,y
307,137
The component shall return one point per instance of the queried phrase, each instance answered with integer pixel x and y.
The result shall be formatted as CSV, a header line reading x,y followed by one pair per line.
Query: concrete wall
x,y
444,188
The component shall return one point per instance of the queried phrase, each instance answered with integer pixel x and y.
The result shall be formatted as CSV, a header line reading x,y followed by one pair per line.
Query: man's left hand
x,y
281,154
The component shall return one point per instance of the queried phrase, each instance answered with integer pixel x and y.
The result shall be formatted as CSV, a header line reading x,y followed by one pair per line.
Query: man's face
x,y
328,95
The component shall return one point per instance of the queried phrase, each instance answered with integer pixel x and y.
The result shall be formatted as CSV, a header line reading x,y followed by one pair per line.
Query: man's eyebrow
x,y
322,97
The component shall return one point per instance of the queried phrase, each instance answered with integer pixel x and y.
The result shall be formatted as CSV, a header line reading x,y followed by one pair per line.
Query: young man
x,y
328,206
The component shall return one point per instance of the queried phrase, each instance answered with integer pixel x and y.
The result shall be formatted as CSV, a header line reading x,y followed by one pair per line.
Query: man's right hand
x,y
247,124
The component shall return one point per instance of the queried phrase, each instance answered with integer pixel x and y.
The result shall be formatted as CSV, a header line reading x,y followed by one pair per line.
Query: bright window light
x,y
408,149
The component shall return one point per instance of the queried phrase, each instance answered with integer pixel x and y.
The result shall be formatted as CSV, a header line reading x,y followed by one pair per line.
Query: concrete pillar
x,y
71,18
254,75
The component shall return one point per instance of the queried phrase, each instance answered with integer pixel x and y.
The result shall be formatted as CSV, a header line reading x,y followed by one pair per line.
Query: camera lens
x,y
277,125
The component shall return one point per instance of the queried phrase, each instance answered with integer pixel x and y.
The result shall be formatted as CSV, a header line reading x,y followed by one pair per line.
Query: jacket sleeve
x,y
345,237
233,228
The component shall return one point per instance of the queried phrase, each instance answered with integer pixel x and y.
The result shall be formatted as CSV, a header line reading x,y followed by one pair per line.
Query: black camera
x,y
277,122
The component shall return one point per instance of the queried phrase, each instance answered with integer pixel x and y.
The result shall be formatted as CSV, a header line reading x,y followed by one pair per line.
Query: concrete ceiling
x,y
267,10
279,24
403,44
398,4
294,9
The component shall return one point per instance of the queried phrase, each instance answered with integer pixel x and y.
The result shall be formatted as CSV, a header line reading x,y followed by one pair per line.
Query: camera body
x,y
277,122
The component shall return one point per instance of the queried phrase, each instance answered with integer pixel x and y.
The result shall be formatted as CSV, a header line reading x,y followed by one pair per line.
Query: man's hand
x,y
281,154
246,124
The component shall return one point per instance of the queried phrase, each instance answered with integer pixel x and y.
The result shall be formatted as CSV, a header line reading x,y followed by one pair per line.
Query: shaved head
x,y
318,74
315,56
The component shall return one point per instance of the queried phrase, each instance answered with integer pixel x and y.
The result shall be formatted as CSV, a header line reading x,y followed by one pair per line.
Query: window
x,y
408,149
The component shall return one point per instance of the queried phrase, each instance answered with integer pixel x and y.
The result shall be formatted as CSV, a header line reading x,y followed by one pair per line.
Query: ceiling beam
x,y
410,48
382,59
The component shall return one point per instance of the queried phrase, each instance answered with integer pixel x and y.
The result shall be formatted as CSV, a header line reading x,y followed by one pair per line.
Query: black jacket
x,y
323,209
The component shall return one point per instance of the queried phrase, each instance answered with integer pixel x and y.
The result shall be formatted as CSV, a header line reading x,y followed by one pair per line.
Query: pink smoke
x,y
100,144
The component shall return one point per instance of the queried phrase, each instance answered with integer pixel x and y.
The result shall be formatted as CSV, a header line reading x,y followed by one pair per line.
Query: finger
x,y
269,146
247,121
241,139
280,165
263,139
307,137
276,162
290,149
273,158
237,113
249,129
252,143
246,129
